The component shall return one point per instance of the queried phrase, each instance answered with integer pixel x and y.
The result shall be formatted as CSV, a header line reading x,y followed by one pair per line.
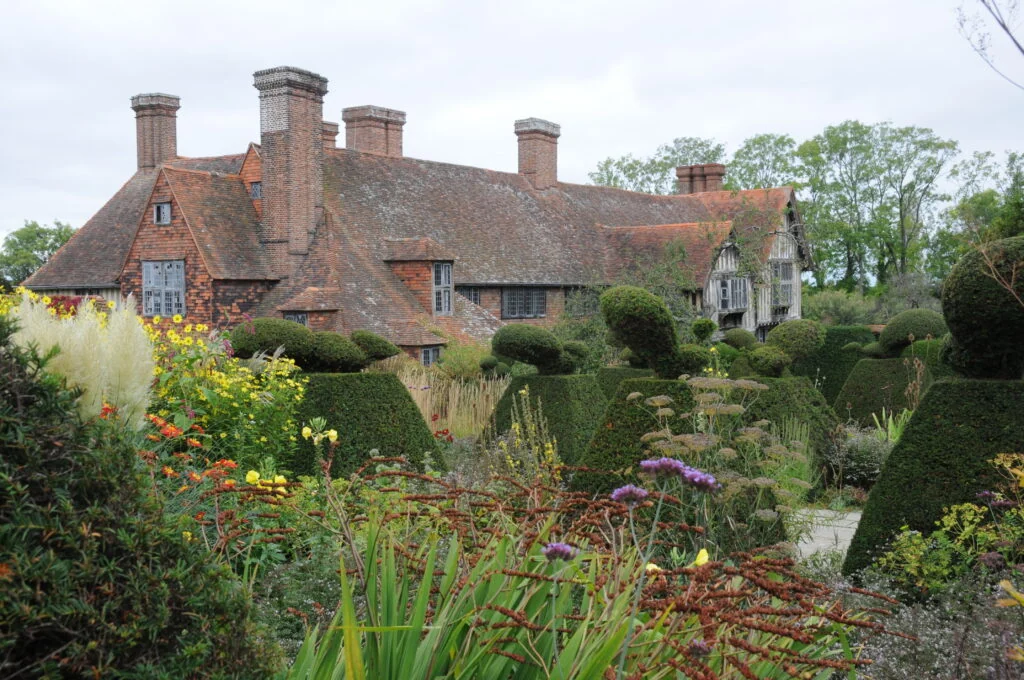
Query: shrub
x,y
740,338
533,345
96,581
726,354
856,457
740,367
873,350
572,405
334,353
769,360
694,358
608,379
839,307
631,358
374,347
908,326
488,363
829,366
703,329
266,335
876,384
641,321
930,352
798,338
941,460
369,411
985,319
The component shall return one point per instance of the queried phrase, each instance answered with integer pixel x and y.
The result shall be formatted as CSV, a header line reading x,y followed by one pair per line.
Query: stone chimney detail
x,y
330,135
374,129
696,179
292,152
156,128
538,151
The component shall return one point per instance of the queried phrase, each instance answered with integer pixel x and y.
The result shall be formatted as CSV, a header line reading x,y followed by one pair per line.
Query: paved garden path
x,y
831,530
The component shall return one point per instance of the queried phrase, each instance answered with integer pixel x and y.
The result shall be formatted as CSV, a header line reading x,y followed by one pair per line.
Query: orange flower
x,y
229,482
152,437
156,420
226,463
198,428
200,516
195,443
168,471
194,477
170,431
147,456
107,411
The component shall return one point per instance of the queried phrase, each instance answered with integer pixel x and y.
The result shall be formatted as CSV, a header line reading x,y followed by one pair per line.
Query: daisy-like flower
x,y
558,551
251,477
176,318
630,495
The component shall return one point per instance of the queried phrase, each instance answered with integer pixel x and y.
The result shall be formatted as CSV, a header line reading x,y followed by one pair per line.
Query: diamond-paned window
x,y
163,288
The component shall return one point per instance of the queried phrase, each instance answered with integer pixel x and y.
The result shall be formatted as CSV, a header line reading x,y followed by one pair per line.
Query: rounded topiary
x,y
528,344
694,358
831,364
488,363
703,329
577,352
740,367
852,347
769,360
985,318
876,384
631,358
908,326
798,338
334,353
740,338
726,354
873,350
502,370
374,347
266,335
642,321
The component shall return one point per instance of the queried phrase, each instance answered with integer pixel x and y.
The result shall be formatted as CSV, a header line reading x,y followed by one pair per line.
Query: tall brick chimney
x,y
538,151
156,127
374,129
696,179
292,149
330,135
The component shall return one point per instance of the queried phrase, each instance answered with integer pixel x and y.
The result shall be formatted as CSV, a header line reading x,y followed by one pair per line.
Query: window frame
x,y
443,290
524,302
297,317
157,283
782,283
430,355
471,293
729,288
256,191
157,208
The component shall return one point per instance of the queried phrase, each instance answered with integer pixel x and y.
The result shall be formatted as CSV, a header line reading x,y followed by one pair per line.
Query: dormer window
x,y
162,213
443,288
256,190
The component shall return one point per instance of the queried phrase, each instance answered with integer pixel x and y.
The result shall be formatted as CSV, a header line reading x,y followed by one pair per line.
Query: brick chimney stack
x,y
696,179
330,135
538,151
374,129
156,127
292,149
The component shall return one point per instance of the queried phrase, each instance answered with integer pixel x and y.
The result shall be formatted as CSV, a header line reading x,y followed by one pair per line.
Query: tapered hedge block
x,y
609,378
942,459
830,365
369,411
616,443
572,405
874,384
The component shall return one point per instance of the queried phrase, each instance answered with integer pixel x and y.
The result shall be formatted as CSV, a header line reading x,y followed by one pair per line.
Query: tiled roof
x,y
415,250
223,222
227,165
94,256
313,299
627,247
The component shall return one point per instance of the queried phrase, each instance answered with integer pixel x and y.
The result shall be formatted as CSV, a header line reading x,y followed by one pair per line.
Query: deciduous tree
x,y
25,250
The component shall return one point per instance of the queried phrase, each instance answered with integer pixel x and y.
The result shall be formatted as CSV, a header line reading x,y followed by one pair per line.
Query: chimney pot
x,y
374,129
330,135
696,179
156,128
538,151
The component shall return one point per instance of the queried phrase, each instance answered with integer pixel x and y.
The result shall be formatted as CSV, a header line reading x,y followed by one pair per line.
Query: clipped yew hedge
x,y
874,384
831,364
369,411
941,460
608,378
572,405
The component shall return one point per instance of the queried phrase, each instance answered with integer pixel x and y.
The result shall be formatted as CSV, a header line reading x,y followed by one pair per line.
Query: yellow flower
x,y
176,318
251,477
279,479
187,535
110,304
701,559
652,568
188,328
307,432
200,327
157,319
46,300
332,435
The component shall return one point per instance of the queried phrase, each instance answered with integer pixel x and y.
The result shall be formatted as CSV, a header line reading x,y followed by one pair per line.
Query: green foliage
x,y
873,350
769,360
656,174
609,378
830,365
740,367
908,326
532,345
930,352
941,460
369,411
726,354
983,301
374,347
876,384
855,456
631,358
460,360
95,581
839,307
799,338
641,321
740,338
334,353
572,405
703,329
267,334
764,161
488,363
27,249
694,358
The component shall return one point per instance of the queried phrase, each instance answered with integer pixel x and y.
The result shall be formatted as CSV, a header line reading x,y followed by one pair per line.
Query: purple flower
x,y
700,480
630,495
558,551
699,648
986,496
663,466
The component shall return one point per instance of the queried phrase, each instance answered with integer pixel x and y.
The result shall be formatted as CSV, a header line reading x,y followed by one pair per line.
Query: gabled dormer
x,y
427,270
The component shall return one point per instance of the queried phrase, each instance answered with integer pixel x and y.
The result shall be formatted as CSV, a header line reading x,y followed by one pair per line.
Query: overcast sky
x,y
620,77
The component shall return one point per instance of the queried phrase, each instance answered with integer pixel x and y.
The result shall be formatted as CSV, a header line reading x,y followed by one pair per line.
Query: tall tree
x,y
656,174
764,161
976,28
25,250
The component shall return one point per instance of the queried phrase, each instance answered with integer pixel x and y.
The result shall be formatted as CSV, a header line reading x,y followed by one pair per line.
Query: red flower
x,y
152,438
170,431
168,471
434,417
107,411
194,443
194,477
198,429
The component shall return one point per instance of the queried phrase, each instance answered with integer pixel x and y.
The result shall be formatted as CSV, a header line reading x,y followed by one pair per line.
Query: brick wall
x,y
169,242
156,128
538,151
490,299
233,299
252,171
418,277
